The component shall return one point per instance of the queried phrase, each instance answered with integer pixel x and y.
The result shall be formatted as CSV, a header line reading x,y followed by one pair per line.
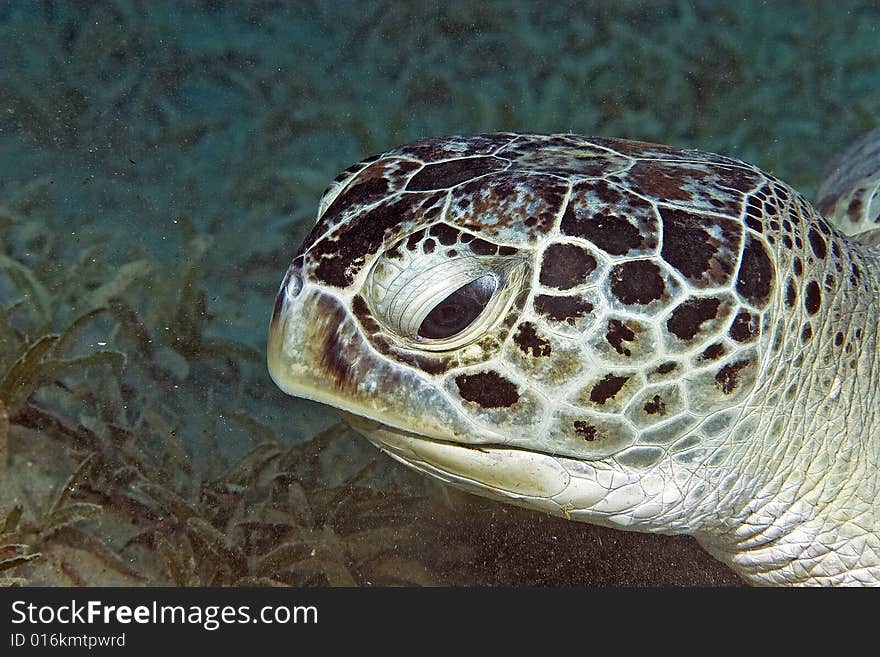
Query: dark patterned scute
x,y
651,150
790,294
365,317
444,148
687,318
617,334
728,376
713,352
741,328
690,247
448,174
530,342
445,233
585,430
756,273
666,368
562,309
806,333
359,192
612,234
375,182
607,388
493,205
812,298
664,180
655,406
565,266
487,389
340,255
703,185
482,248
637,282
817,243
615,221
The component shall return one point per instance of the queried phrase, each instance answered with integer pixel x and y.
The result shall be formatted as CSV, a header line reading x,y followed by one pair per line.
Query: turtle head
x,y
568,324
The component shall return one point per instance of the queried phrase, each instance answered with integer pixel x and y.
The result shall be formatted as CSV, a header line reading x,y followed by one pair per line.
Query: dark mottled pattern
x,y
728,376
756,273
444,148
337,352
817,243
340,255
666,368
702,185
806,333
744,327
664,180
496,177
487,389
690,247
565,266
447,174
446,234
371,185
754,214
644,149
812,298
790,293
530,341
482,248
689,316
564,156
655,406
617,334
585,430
615,221
494,206
637,282
607,388
414,239
363,314
713,352
562,308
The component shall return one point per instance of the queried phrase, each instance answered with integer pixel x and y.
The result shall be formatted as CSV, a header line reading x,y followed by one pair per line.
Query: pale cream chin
x,y
516,476
507,471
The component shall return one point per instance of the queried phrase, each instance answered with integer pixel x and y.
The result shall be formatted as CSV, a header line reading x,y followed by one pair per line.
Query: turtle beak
x,y
306,354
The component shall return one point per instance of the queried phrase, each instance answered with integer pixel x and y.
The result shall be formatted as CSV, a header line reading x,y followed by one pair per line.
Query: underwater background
x,y
161,161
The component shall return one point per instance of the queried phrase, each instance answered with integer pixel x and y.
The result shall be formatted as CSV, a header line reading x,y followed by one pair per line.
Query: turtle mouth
x,y
486,469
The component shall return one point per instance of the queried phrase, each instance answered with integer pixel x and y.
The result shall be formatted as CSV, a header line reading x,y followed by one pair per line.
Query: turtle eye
x,y
458,310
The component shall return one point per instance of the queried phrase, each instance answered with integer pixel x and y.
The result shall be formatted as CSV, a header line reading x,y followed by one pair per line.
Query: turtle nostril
x,y
293,280
290,288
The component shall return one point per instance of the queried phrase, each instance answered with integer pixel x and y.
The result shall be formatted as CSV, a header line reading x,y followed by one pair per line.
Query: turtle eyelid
x,y
459,309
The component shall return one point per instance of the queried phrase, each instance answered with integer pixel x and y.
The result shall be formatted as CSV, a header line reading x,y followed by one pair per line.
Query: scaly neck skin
x,y
803,507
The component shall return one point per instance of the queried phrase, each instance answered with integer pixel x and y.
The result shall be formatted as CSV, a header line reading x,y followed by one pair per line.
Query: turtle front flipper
x,y
849,196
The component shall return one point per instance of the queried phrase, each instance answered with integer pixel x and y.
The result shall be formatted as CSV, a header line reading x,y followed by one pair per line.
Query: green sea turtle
x,y
618,332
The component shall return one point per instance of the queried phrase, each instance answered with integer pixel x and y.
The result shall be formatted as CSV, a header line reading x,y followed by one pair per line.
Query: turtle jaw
x,y
514,475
